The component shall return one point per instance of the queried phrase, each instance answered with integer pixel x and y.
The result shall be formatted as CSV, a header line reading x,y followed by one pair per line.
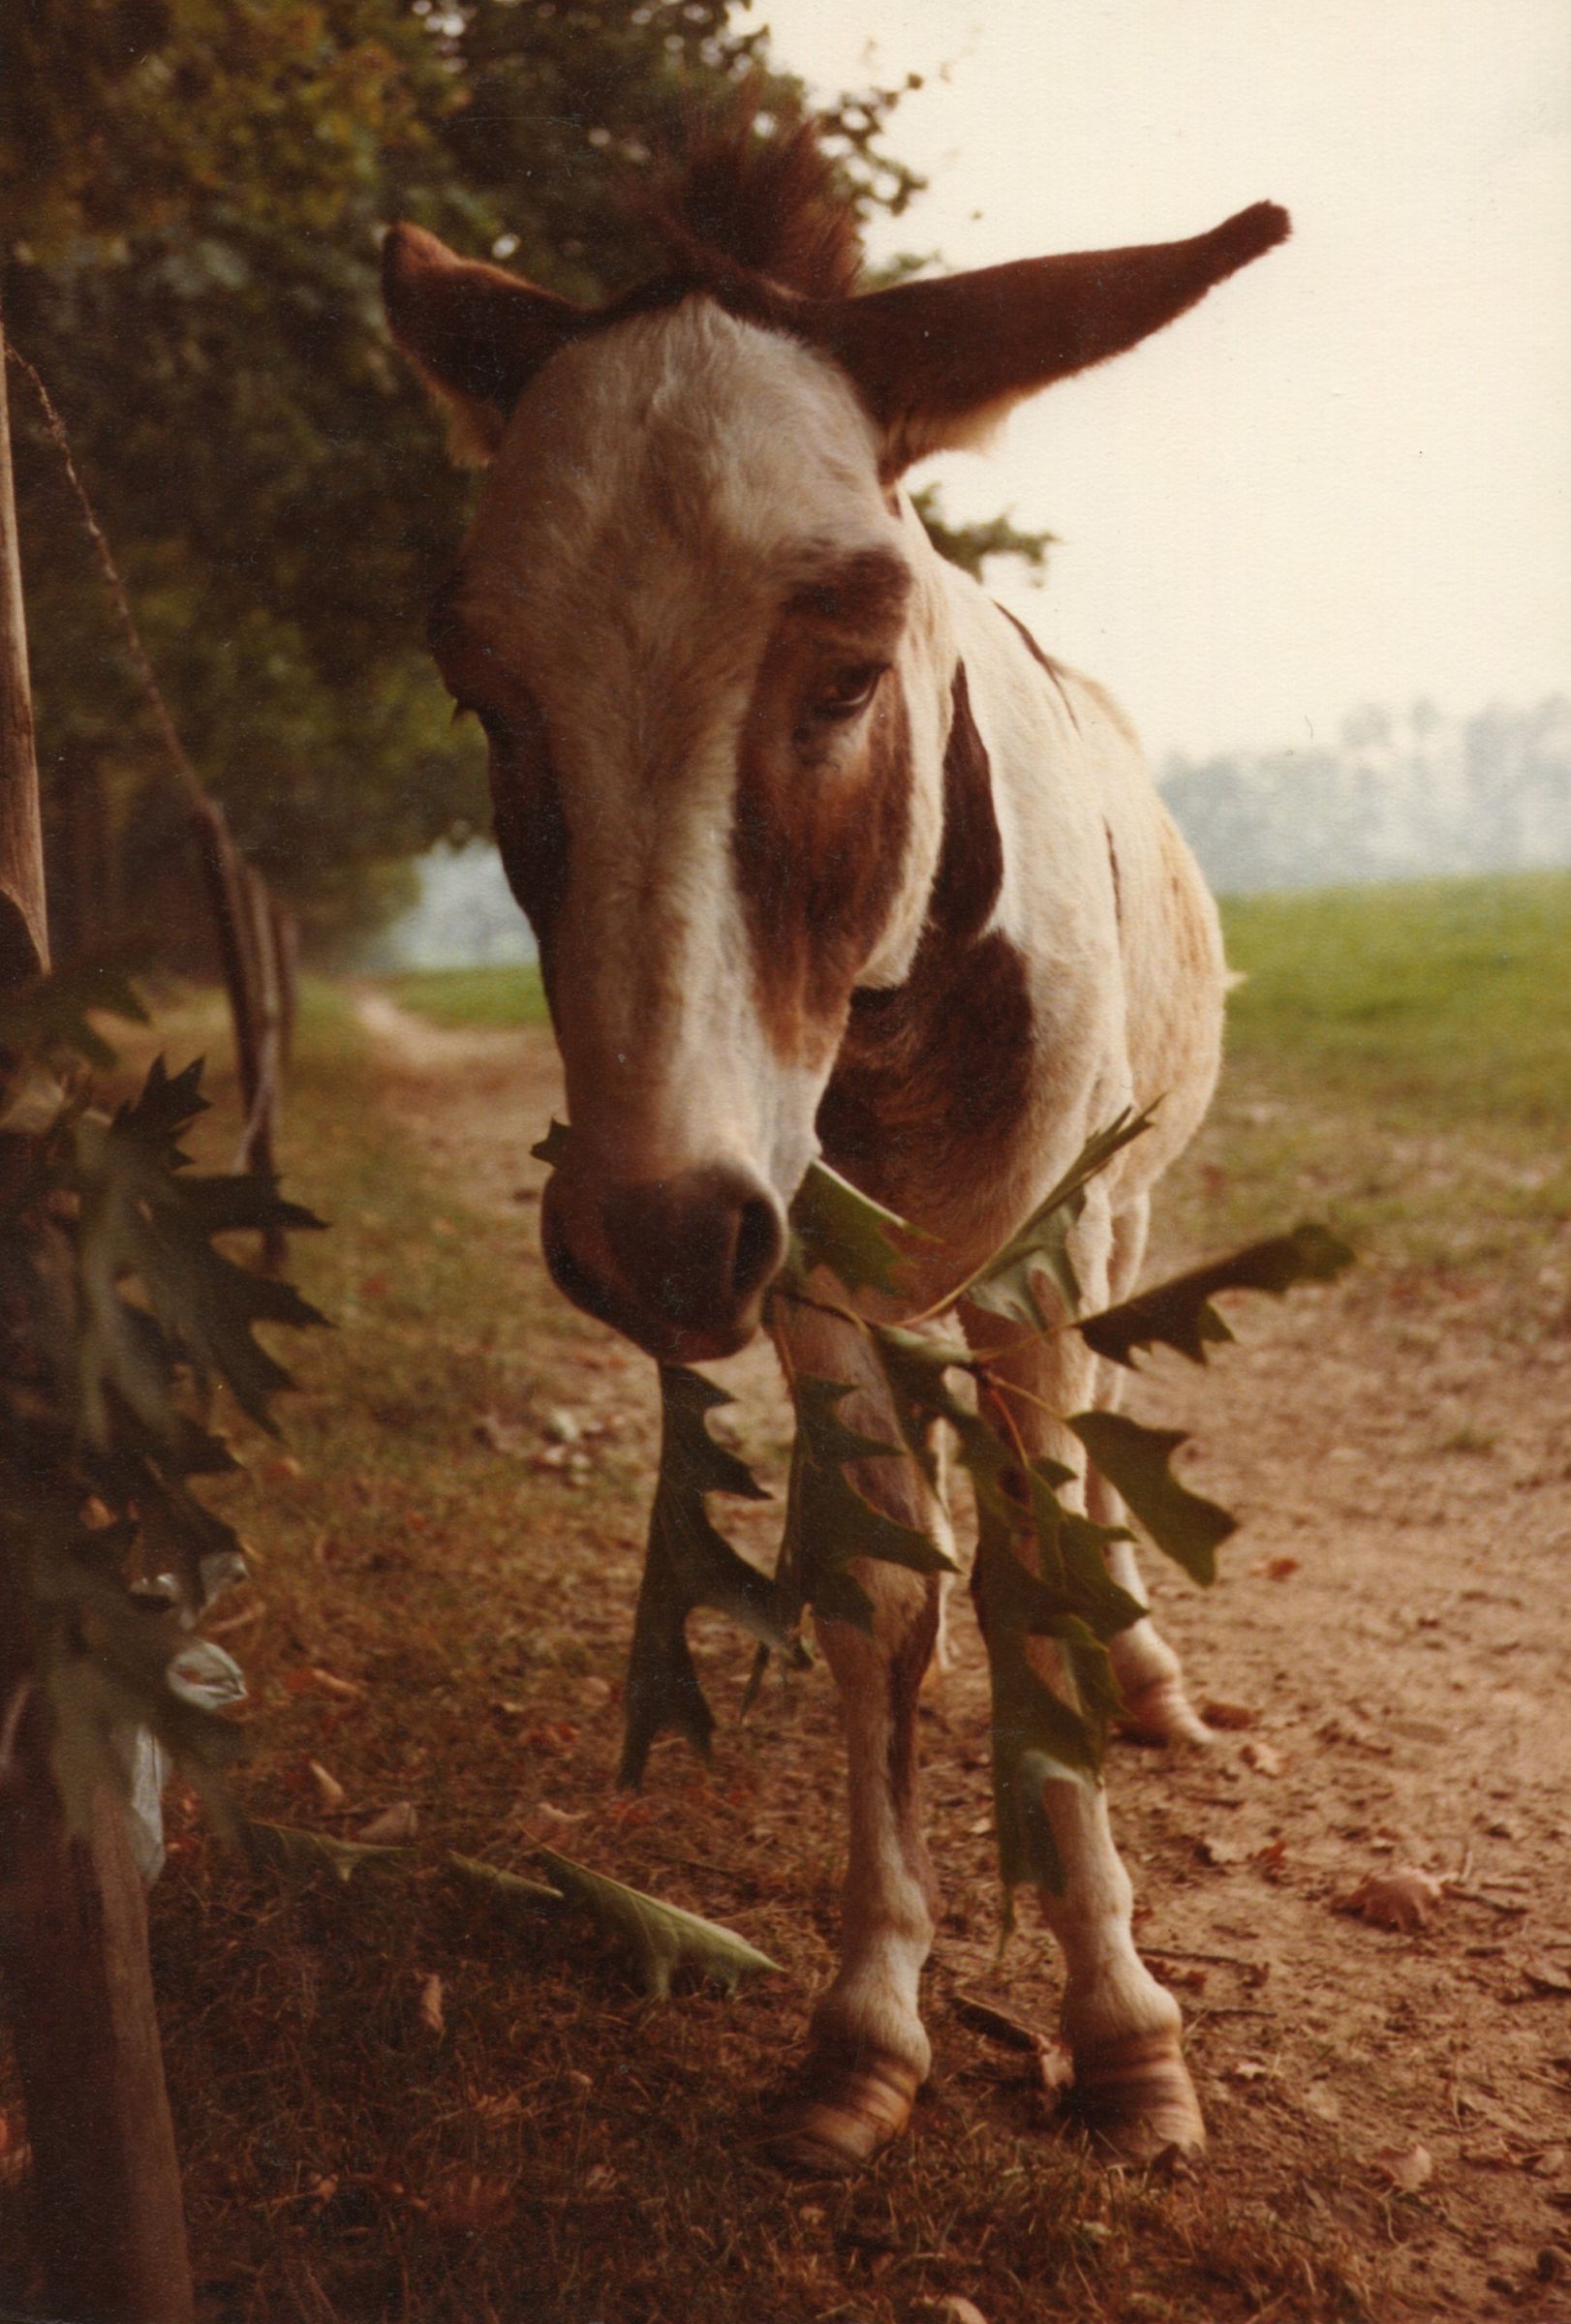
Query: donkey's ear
x,y
938,363
476,334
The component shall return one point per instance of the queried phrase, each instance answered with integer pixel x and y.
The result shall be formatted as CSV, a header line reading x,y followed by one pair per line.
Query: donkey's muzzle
x,y
679,1265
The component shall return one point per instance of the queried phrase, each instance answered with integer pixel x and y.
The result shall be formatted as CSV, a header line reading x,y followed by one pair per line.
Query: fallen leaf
x,y
329,1791
342,1690
543,1818
957,2311
1260,1755
1545,1978
1275,1569
1402,1899
1250,2069
1320,2101
394,1827
1405,2168
1221,1851
1549,2163
468,2205
432,2017
1229,1714
505,2107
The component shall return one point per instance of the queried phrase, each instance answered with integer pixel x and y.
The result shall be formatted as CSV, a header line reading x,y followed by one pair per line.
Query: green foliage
x,y
1040,1570
1135,1461
299,1854
831,1523
834,1226
663,1939
1006,1286
1179,1314
119,1318
973,547
689,1563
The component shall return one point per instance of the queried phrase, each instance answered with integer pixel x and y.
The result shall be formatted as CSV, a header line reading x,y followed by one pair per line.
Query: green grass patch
x,y
1398,1064
1444,1001
474,997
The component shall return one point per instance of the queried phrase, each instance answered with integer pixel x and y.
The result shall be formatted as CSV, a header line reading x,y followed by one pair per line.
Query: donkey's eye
x,y
849,691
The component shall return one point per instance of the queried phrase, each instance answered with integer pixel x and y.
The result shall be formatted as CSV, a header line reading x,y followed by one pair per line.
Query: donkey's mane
x,y
766,203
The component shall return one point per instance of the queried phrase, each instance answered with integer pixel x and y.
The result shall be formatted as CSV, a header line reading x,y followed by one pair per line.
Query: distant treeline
x,y
1396,795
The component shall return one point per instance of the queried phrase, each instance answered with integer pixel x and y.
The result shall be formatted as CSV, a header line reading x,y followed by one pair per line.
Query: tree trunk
x,y
73,1920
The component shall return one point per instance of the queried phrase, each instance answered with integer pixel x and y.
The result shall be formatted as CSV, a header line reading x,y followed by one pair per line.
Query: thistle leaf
x,y
1037,1737
830,1522
289,1848
1006,1286
509,1890
1134,1461
835,1225
661,1937
689,1563
1179,1314
140,1219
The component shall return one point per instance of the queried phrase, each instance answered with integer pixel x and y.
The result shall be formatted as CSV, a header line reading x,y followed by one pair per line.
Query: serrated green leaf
x,y
1179,1314
689,1563
50,1017
662,1938
835,1225
140,1219
290,1849
555,1147
1037,1737
509,1890
1135,1461
1007,1285
829,1520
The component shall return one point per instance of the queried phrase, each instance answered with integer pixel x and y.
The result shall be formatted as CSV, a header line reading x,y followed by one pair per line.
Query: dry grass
x,y
562,2150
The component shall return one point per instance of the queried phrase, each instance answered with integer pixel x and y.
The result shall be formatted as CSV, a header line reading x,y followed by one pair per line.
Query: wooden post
x,y
73,1920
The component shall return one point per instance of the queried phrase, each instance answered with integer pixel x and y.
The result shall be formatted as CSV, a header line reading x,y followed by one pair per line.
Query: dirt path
x,y
1389,1651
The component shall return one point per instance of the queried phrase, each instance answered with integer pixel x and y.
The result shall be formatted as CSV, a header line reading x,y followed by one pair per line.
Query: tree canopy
x,y
191,193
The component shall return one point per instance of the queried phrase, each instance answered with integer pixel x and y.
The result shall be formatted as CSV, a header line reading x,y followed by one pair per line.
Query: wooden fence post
x,y
73,1920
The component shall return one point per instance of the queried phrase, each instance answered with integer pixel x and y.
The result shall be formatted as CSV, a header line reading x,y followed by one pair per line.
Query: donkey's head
x,y
688,616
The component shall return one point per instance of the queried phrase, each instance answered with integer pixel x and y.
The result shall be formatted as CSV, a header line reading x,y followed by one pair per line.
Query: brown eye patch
x,y
818,862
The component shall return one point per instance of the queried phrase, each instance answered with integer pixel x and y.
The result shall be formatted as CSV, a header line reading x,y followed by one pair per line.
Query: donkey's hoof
x,y
846,2113
1162,1713
1136,2098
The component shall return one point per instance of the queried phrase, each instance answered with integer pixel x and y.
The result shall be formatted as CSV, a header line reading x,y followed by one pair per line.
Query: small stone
x,y
562,1426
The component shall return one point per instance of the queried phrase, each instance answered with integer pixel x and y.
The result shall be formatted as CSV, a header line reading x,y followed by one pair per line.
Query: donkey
x,y
824,853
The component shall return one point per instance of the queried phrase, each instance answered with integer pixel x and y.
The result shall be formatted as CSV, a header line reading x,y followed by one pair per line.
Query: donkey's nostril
x,y
758,1248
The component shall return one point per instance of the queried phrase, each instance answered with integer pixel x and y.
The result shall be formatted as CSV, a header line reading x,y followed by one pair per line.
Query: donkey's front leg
x,y
1123,2027
870,2052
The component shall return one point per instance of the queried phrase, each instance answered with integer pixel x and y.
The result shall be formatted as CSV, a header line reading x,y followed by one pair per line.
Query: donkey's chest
x,y
931,1104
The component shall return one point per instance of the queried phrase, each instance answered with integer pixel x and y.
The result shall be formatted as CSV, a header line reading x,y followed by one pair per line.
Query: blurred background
x,y
1314,537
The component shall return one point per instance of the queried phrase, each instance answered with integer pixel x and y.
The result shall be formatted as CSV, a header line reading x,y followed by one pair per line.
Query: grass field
x,y
477,996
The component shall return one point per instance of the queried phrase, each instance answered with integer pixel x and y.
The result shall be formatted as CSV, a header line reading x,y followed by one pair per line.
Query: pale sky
x,y
1347,476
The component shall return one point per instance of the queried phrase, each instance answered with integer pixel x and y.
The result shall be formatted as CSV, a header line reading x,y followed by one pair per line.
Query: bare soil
x,y
1387,1661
